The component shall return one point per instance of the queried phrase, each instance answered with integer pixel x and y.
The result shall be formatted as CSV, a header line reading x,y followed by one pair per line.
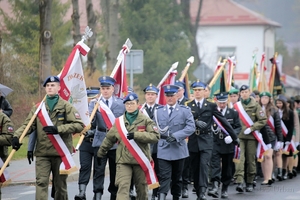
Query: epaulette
x,y
158,107
185,103
184,106
210,100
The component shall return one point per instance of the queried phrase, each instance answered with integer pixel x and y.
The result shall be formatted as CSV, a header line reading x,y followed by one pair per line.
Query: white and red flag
x,y
72,82
170,80
121,89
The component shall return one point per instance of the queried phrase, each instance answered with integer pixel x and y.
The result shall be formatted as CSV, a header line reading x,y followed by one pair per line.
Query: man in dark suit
x,y
186,168
150,96
201,141
223,150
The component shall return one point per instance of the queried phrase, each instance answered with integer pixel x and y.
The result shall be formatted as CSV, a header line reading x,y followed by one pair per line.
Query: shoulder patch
x,y
10,129
158,107
77,116
261,113
184,106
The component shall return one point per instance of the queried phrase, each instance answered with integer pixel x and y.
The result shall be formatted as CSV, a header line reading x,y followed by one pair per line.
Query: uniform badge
x,y
131,97
205,104
155,128
77,116
52,79
193,104
104,78
261,113
10,129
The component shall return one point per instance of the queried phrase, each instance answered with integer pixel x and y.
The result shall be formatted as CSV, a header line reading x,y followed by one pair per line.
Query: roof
x,y
227,12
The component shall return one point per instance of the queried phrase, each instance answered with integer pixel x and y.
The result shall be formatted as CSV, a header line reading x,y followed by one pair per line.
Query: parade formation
x,y
186,132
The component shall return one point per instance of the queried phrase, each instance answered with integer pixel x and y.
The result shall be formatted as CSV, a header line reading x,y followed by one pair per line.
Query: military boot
x,y
213,192
97,196
249,187
240,187
202,194
279,174
81,195
224,193
132,194
162,196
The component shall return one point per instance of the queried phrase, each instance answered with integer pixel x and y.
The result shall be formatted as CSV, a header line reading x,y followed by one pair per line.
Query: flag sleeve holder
x,y
184,74
126,47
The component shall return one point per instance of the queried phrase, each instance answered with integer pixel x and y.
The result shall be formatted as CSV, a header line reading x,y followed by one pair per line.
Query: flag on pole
x,y
253,74
274,81
218,85
72,82
170,80
262,83
121,89
231,65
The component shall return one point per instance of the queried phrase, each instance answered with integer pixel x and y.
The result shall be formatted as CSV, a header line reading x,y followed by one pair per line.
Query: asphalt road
x,y
289,189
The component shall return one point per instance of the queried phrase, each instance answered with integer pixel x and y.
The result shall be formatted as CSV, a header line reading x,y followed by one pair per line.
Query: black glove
x,y
30,156
170,139
236,142
130,136
15,143
50,129
201,124
90,134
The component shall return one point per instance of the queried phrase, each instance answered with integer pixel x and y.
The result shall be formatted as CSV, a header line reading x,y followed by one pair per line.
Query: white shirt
x,y
201,102
172,107
109,101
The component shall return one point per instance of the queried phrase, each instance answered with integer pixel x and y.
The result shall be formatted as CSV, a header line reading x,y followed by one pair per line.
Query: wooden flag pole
x,y
217,74
127,47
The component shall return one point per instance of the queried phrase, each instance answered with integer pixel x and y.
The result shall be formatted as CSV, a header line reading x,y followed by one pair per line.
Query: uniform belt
x,y
198,132
163,136
89,140
103,130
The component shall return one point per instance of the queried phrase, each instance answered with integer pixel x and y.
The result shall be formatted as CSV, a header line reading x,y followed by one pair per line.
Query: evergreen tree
x,y
156,27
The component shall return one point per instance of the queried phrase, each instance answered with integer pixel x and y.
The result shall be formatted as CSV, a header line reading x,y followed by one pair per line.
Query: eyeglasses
x,y
129,103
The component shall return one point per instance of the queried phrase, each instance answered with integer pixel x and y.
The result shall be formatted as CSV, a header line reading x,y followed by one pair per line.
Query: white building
x,y
227,28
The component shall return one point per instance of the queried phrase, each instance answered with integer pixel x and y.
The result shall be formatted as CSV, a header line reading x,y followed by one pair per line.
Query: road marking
x,y
292,197
28,192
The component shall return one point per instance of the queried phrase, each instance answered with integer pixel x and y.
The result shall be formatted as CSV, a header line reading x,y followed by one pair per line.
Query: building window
x,y
225,52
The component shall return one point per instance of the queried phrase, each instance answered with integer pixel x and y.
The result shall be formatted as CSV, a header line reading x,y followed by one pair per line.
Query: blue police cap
x,y
170,90
180,83
51,79
222,97
151,88
92,91
198,85
282,98
244,87
107,81
130,97
130,90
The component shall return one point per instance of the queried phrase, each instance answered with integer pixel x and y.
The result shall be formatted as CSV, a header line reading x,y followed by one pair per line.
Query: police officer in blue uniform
x,y
99,128
151,93
223,149
201,141
186,168
175,123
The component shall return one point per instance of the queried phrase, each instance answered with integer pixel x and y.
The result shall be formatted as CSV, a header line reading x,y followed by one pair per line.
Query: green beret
x,y
233,91
265,94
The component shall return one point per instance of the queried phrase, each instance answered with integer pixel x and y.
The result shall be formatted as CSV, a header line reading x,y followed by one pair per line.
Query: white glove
x,y
277,146
269,146
281,145
287,143
296,144
247,131
228,139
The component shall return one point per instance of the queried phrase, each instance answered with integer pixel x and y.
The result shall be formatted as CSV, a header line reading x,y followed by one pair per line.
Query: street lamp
x,y
297,68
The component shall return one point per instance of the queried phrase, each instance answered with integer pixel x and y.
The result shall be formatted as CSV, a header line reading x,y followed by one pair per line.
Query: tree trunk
x,y
91,41
75,20
1,65
193,27
104,4
46,41
113,39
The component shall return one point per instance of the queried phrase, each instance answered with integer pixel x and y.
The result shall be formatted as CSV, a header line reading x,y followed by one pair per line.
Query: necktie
x,y
150,109
199,106
221,110
106,101
178,102
171,110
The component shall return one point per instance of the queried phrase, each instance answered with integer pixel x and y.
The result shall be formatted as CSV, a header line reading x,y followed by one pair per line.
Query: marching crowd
x,y
203,141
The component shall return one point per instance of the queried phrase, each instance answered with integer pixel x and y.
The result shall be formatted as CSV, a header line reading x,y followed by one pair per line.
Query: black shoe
x,y
295,171
214,191
239,187
202,197
224,195
194,190
270,182
249,187
185,193
254,184
290,175
284,174
153,197
279,174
